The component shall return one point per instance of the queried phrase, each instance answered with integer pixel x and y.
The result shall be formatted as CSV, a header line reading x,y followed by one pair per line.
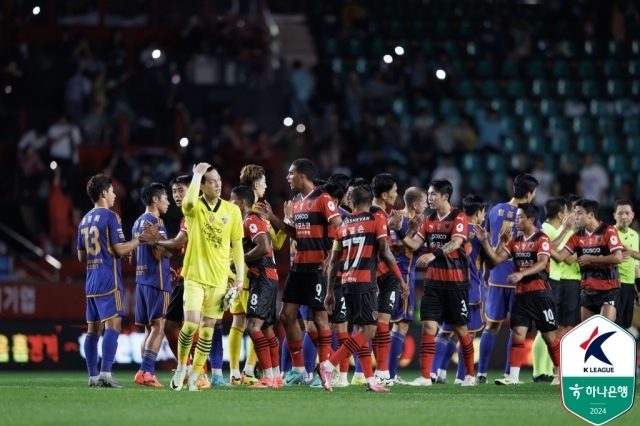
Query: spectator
x,y
419,71
521,34
302,85
464,135
568,181
377,92
353,98
451,173
618,28
490,131
545,182
95,124
423,121
519,166
60,206
76,94
115,54
443,136
594,180
6,262
35,138
65,138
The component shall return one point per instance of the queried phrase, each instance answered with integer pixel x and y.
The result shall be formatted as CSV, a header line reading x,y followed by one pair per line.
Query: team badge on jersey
x,y
331,206
309,204
212,218
614,240
225,220
253,228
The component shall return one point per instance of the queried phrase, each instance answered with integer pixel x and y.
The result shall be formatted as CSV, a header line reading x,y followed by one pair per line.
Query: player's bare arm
x,y
555,255
191,197
539,266
334,264
173,245
567,225
614,258
388,258
264,208
260,250
497,255
452,245
413,243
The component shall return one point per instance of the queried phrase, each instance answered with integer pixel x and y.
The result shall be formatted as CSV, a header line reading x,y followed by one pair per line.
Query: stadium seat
x,y
616,162
563,30
631,126
615,88
474,49
557,124
624,107
476,181
418,29
378,48
590,89
635,47
362,66
634,67
536,145
541,88
598,107
549,107
510,69
515,89
559,144
405,44
471,162
460,68
618,180
485,69
611,145
442,28
421,103
569,157
465,28
427,47
582,126
471,106
354,47
337,65
501,106
531,126
616,48
632,145
498,181
448,107
566,88
592,48
635,164
549,161
523,107
586,144
561,69
635,87
511,145
400,106
495,163
331,47
451,48
508,124
633,29
466,89
490,89
606,126
536,69
396,28
586,69
611,68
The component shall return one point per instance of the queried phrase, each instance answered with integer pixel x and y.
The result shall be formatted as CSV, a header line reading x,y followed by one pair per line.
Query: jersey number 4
x,y
352,243
91,240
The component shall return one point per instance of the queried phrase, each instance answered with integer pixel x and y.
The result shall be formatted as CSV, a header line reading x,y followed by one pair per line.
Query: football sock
x,y
487,340
297,357
462,371
452,345
324,345
263,350
193,344
91,354
109,348
395,353
310,351
507,365
334,341
441,342
252,358
554,353
517,355
203,347
274,351
215,357
466,345
185,340
285,356
427,353
172,340
341,338
235,346
148,364
384,346
349,346
542,363
364,355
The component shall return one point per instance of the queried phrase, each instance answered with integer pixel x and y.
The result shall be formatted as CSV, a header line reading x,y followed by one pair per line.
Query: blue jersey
x,y
152,268
98,232
501,216
476,255
406,259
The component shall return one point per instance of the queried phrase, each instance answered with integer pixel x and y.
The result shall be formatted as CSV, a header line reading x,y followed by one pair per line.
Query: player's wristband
x,y
401,235
396,272
438,253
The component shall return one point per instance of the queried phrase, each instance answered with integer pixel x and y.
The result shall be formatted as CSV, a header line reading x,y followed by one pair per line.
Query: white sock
x,y
442,373
94,378
249,370
235,373
276,371
482,374
383,374
371,380
343,377
514,372
193,377
329,366
357,375
216,371
104,374
298,369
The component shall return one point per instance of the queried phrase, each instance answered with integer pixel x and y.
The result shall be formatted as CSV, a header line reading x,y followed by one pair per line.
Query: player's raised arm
x,y
191,197
413,243
567,226
500,253
265,209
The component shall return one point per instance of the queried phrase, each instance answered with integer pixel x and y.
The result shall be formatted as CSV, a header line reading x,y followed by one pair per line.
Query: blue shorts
x,y
151,304
499,303
103,308
476,323
404,310
305,314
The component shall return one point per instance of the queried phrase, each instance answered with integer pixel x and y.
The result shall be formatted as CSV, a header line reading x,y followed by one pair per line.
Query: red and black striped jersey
x,y
383,216
451,270
312,215
525,253
602,242
344,214
359,234
183,228
265,267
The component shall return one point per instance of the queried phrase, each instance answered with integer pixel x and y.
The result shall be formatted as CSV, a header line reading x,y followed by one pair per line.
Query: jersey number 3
x,y
91,240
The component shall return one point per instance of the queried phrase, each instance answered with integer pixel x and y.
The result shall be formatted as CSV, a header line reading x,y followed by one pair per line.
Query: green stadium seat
x,y
498,181
362,66
354,47
331,47
563,30
634,67
471,106
557,124
616,162
618,180
405,44
536,145
582,126
460,68
337,65
635,164
586,144
592,48
451,48
485,68
448,107
474,49
559,144
400,106
635,47
466,89
396,28
523,107
511,145
590,88
532,126
635,87
623,107
611,144
606,126
490,89
536,69
422,103
571,47
598,107
541,88
586,69
501,106
453,120
510,69
515,89
378,48
442,28
631,126
616,48
549,161
428,48
465,28
418,29
566,88
471,162
633,29
549,107
632,145
568,157
615,88
508,124
611,68
476,182
561,69
495,163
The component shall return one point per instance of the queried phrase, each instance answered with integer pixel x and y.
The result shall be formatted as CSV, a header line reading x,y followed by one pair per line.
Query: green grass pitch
x,y
64,399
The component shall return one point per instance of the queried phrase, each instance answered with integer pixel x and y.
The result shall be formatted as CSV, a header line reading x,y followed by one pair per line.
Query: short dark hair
x,y
590,206
361,194
524,183
530,210
622,202
472,203
554,206
382,183
318,182
413,195
340,179
210,169
306,167
181,180
150,190
333,189
244,193
571,199
356,182
96,185
442,186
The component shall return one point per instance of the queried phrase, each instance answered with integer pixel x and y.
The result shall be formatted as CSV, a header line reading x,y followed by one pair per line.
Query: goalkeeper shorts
x,y
203,298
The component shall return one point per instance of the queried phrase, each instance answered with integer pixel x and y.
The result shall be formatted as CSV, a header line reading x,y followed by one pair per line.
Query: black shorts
x,y
593,300
540,310
450,306
339,314
388,292
262,301
175,310
362,308
305,288
626,305
567,298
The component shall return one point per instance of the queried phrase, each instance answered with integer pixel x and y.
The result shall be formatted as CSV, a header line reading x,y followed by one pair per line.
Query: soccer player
x,y
415,203
315,214
599,250
445,295
153,282
101,244
364,236
533,301
263,288
501,292
215,228
629,270
475,209
254,177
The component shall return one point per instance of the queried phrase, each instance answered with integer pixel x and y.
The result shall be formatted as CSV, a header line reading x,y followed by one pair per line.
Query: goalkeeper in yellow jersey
x,y
215,228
